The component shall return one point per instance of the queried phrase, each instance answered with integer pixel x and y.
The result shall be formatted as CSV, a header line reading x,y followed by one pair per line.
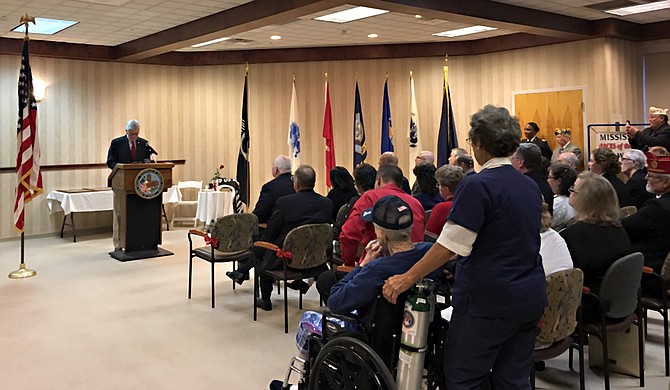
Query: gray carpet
x,y
87,321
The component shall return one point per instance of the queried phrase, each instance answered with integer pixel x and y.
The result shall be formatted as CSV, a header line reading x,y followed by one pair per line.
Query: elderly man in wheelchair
x,y
356,342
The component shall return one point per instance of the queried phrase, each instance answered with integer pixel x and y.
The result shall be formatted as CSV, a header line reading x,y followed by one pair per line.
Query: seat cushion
x,y
205,253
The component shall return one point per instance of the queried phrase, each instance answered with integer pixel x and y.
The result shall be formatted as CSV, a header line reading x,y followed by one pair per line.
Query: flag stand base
x,y
22,273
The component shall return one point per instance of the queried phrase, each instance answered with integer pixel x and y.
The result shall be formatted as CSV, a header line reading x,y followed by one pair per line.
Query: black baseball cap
x,y
390,212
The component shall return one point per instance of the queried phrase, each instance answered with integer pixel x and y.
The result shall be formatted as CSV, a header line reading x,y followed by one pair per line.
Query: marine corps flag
x,y
28,172
360,147
243,156
328,135
387,128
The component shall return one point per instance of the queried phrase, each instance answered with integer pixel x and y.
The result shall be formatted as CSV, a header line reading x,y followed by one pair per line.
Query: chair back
x,y
235,232
627,211
564,293
621,284
188,190
308,244
665,270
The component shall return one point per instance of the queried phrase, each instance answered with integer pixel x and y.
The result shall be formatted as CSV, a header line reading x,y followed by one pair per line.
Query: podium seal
x,y
149,183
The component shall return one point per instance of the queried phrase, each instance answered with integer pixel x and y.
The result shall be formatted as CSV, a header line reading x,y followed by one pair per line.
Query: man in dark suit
x,y
302,208
280,186
530,131
528,160
648,229
657,134
130,147
126,149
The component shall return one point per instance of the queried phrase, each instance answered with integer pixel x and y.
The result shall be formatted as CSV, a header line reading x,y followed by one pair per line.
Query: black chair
x,y
304,255
655,297
619,304
231,240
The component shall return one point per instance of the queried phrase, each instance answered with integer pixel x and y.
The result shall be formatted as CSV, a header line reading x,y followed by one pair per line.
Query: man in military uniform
x,y
530,131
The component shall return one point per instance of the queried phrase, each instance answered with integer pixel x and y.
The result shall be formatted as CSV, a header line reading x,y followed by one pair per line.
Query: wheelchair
x,y
350,355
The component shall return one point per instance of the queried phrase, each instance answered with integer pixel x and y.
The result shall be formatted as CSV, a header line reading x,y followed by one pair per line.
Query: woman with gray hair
x,y
448,178
500,289
634,166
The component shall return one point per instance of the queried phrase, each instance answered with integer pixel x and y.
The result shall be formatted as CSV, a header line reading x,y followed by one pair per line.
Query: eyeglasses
x,y
552,177
572,190
469,141
626,159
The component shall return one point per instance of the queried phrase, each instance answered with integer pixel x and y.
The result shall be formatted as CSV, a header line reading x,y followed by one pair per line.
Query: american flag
x,y
28,172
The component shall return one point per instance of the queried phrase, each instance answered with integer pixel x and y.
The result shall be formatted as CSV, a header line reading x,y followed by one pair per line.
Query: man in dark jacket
x,y
657,134
280,186
302,208
530,131
528,160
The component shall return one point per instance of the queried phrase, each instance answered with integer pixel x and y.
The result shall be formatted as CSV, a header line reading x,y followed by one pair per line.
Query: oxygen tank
x,y
413,342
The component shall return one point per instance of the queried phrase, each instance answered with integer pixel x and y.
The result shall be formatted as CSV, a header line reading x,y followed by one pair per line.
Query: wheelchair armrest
x,y
334,325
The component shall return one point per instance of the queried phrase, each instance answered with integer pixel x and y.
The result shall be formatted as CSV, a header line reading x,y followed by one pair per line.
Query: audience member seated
x,y
280,186
356,231
364,180
302,208
563,139
605,162
424,157
343,188
597,239
570,159
467,164
428,194
554,251
527,159
649,228
561,178
633,165
389,158
448,178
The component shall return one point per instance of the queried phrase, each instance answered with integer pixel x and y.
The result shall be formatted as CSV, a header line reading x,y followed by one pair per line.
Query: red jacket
x,y
355,231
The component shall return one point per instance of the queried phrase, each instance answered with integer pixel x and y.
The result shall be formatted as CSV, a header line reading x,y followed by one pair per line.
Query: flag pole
x,y
23,272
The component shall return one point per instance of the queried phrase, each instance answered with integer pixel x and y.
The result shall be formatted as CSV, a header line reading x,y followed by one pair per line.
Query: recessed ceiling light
x,y
213,41
275,37
373,35
418,16
464,31
45,26
638,9
351,14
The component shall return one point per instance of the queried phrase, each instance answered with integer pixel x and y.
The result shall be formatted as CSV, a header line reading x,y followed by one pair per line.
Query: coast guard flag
x,y
446,138
328,135
360,147
414,140
28,172
243,156
387,128
294,132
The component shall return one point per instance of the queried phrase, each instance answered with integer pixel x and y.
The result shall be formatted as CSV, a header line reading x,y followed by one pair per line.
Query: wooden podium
x,y
138,200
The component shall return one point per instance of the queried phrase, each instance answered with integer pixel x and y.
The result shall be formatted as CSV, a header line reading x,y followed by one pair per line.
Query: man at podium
x,y
126,149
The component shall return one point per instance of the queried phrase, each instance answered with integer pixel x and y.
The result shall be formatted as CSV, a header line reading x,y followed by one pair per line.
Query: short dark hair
x,y
531,155
534,125
305,176
566,174
466,160
390,174
496,130
608,161
365,176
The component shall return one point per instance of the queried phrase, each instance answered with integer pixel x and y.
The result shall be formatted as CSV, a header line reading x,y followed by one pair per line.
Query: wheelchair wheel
x,y
347,363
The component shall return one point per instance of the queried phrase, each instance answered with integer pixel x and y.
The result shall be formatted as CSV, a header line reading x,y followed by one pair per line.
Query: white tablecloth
x,y
171,195
79,202
213,205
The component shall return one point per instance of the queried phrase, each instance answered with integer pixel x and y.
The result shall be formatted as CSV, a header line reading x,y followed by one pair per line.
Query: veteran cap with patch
x,y
390,212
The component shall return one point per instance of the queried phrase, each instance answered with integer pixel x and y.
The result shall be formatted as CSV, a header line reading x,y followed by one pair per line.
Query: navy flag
x,y
243,156
387,128
360,148
446,139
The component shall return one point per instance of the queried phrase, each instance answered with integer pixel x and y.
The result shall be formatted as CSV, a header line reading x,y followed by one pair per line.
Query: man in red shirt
x,y
357,232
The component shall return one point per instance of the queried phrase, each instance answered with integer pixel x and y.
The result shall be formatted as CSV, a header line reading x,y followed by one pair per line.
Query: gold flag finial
x,y
326,76
25,19
410,74
246,68
387,76
294,77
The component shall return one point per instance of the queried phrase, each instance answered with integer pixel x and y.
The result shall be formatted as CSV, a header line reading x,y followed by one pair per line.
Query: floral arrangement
x,y
217,177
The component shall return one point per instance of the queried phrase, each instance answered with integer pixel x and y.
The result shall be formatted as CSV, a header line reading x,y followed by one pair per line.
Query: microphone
x,y
150,149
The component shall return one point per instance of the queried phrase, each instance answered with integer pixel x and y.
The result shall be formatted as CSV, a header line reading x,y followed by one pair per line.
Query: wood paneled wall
x,y
194,112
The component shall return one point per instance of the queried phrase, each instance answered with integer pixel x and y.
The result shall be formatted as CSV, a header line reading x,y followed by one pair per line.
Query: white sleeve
x,y
457,239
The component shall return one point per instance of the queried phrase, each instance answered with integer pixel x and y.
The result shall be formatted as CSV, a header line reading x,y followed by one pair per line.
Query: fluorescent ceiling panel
x,y
464,31
213,41
638,9
351,15
45,26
